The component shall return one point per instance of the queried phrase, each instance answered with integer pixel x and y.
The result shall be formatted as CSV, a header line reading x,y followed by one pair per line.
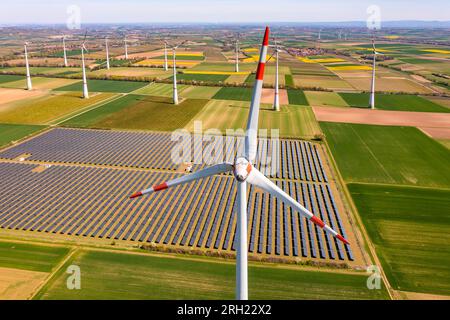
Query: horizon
x,y
219,12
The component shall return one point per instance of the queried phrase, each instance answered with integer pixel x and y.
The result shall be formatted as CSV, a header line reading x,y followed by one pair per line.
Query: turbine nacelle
x,y
241,169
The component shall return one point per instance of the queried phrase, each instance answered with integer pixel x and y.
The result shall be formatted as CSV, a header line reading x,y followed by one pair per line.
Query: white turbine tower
x,y
372,89
244,172
236,68
107,53
320,34
27,65
276,102
175,89
85,87
126,47
64,50
166,64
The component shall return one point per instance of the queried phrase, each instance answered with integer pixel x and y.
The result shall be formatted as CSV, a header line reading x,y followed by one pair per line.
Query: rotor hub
x,y
242,168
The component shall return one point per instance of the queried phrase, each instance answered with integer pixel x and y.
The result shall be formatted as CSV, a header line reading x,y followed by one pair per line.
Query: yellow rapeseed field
x,y
437,51
225,73
349,68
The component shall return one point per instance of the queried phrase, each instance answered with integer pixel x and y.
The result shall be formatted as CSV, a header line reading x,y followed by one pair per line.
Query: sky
x,y
219,11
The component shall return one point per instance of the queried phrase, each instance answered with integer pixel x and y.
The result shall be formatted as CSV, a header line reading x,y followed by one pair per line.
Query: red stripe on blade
x,y
317,221
260,71
342,239
137,194
266,37
160,187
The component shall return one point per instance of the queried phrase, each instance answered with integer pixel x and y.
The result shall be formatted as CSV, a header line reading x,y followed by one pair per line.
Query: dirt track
x,y
435,123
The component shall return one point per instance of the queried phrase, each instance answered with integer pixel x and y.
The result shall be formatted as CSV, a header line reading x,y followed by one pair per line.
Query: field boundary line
x,y
54,272
84,110
373,155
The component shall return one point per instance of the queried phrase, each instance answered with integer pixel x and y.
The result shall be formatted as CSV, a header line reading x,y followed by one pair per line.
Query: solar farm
x,y
177,218
87,153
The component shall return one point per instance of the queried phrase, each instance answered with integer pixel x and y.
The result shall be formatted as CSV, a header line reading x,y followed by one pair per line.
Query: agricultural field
x,y
390,155
160,89
30,256
292,121
107,275
125,72
201,77
14,132
138,112
409,228
325,99
198,92
45,109
232,93
297,97
9,78
394,102
40,83
321,81
105,86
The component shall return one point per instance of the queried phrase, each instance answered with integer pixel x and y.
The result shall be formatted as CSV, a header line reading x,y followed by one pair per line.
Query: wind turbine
x,y
126,47
107,53
276,103
27,65
166,64
320,34
372,90
236,68
244,172
64,50
174,56
85,87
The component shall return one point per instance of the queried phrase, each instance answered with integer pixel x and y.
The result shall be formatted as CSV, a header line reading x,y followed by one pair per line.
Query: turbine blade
x,y
251,137
257,179
216,169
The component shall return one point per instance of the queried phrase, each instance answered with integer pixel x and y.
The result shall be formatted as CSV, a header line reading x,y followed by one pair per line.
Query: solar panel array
x,y
297,160
66,200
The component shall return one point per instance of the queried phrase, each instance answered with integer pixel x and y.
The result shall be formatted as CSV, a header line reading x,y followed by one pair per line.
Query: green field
x,y
30,257
48,108
297,97
231,93
9,78
108,275
198,92
182,57
409,228
326,99
105,86
289,80
160,89
383,154
201,77
394,102
292,121
14,132
140,113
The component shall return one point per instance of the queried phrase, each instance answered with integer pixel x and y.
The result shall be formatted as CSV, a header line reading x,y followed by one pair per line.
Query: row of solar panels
x,y
93,202
297,160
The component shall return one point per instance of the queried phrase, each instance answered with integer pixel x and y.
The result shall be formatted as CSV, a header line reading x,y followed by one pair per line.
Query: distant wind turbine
x,y
126,47
276,103
85,87
320,34
107,53
243,172
27,65
64,50
236,68
174,56
372,89
166,64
